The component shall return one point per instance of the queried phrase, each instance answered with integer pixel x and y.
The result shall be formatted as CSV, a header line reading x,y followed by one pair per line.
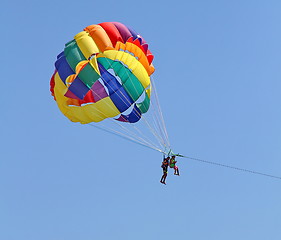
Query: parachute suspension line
x,y
133,136
156,122
160,114
119,134
160,140
156,125
145,137
230,167
130,138
157,103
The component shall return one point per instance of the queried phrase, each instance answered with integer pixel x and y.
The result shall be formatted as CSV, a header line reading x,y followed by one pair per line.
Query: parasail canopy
x,y
105,73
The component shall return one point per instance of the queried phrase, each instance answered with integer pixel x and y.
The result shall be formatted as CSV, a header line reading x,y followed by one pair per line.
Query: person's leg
x,y
165,175
176,170
162,178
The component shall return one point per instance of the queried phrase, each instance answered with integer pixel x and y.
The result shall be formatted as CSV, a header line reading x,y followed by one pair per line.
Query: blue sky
x,y
218,71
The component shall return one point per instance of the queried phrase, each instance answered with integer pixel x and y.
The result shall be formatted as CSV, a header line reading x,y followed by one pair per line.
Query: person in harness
x,y
164,166
173,165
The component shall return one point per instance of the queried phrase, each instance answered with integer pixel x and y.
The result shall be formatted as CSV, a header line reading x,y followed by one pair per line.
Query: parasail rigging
x,y
103,78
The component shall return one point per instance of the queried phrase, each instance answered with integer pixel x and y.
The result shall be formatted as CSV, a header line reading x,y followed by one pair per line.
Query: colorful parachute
x,y
102,73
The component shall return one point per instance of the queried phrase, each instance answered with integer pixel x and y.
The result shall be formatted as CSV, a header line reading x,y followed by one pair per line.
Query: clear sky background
x,y
218,74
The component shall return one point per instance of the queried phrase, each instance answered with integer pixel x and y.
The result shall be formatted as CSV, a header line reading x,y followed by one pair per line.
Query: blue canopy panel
x,y
137,36
63,67
78,88
117,93
132,117
109,80
133,32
